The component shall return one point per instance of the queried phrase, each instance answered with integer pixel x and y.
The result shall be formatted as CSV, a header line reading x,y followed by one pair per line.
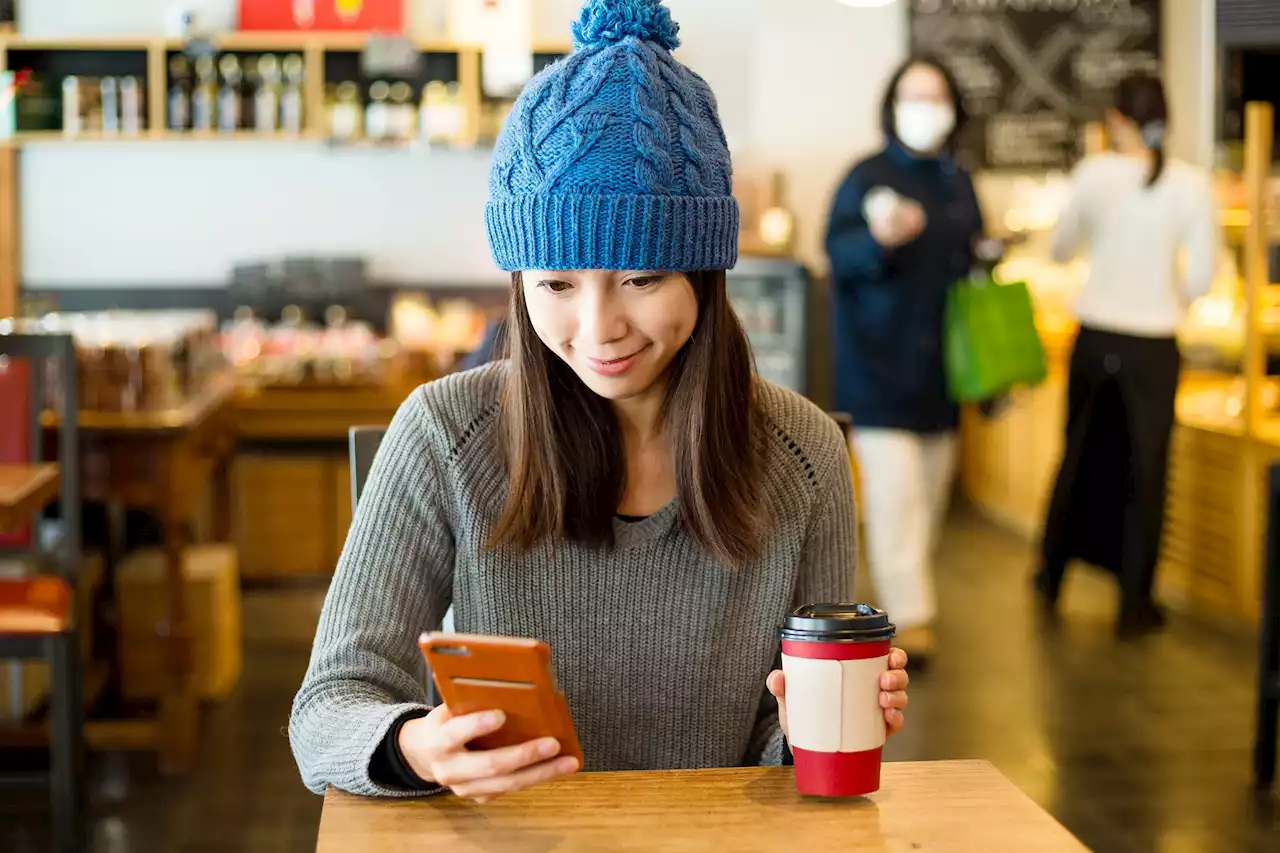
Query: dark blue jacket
x,y
888,303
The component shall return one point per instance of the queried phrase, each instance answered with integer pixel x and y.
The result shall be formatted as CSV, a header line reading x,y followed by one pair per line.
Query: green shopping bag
x,y
990,341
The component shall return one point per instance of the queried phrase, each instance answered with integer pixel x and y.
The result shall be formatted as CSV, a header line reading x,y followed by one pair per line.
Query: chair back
x,y
364,442
39,372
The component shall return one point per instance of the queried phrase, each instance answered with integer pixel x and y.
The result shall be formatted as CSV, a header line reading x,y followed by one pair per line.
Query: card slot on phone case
x,y
493,682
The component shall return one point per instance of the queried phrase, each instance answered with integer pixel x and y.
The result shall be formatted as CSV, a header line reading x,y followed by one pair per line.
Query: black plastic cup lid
x,y
837,623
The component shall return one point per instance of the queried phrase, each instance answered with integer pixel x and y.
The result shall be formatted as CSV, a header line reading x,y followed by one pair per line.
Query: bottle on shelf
x,y
455,112
229,94
90,104
291,97
204,99
71,105
250,85
131,106
179,93
442,116
377,115
345,117
429,112
402,111
110,93
266,101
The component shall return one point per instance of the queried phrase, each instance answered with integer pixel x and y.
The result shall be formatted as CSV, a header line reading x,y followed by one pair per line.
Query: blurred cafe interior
x,y
260,224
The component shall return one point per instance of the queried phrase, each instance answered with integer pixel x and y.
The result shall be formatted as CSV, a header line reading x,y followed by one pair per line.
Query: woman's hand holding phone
x,y
435,747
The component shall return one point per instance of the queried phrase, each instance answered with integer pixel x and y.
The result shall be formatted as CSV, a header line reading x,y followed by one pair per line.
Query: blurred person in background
x,y
903,229
491,346
1135,213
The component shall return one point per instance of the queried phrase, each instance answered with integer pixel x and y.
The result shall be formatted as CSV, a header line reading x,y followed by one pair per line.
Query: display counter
x,y
1228,408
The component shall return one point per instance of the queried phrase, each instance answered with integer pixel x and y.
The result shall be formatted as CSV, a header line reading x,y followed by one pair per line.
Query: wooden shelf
x,y
15,41
57,137
275,42
313,47
24,490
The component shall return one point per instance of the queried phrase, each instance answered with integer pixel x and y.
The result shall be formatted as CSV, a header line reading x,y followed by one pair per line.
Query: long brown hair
x,y
563,445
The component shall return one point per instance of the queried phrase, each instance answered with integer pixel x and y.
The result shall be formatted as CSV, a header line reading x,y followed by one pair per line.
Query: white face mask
x,y
923,125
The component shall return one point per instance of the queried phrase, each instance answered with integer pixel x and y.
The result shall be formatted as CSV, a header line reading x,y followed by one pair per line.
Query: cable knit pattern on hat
x,y
614,157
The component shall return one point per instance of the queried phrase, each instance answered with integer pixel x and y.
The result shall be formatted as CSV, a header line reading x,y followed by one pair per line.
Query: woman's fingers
x,y
777,684
894,699
456,732
465,767
893,719
483,790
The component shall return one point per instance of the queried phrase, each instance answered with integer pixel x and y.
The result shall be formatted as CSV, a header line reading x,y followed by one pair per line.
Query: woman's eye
x,y
646,281
555,286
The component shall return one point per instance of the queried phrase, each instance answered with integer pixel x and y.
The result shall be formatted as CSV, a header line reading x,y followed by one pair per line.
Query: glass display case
x,y
771,297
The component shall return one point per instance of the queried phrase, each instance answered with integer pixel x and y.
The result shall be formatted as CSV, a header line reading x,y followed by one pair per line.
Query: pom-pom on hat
x,y
614,158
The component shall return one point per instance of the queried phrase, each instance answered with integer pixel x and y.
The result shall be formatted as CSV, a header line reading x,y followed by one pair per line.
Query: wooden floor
x,y
1140,748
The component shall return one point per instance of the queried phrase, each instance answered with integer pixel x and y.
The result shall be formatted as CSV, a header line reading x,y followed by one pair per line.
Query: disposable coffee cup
x,y
832,656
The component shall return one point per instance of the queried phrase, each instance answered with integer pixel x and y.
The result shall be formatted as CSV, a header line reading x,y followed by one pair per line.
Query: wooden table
x,y
24,490
935,806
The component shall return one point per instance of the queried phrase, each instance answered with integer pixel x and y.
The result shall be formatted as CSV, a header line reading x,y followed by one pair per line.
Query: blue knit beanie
x,y
613,158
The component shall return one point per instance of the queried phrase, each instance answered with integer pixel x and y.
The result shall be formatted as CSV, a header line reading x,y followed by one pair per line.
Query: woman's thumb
x,y
777,684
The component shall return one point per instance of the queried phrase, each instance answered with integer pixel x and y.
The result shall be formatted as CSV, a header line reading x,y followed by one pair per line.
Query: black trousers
x,y
1109,498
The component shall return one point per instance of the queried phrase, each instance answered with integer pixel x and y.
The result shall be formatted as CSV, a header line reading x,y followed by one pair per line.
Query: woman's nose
x,y
601,318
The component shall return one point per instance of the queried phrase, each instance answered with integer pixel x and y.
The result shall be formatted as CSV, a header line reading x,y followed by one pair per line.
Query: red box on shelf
x,y
15,433
382,16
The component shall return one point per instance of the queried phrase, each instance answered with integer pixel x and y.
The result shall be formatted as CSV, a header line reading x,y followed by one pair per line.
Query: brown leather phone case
x,y
475,673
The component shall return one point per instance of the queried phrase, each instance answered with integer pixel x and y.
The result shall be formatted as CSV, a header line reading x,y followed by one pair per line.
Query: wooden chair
x,y
1264,750
37,613
363,443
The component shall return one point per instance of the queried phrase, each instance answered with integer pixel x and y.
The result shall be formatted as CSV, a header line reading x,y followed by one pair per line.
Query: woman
x,y
1136,213
621,487
903,229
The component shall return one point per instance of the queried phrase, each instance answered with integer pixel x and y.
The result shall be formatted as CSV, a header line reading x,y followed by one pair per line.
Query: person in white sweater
x,y
1150,230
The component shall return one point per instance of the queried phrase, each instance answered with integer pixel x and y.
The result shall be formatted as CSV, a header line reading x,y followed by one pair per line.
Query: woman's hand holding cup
x,y
893,692
435,748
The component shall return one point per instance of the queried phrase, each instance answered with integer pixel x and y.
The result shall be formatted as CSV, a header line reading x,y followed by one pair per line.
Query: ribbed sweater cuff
x,y
775,753
343,750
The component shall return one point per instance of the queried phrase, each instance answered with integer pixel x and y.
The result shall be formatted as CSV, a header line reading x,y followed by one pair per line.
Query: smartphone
x,y
510,674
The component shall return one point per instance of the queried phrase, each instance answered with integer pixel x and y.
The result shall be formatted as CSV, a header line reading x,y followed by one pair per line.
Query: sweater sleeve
x,y
1071,228
853,252
1201,242
393,582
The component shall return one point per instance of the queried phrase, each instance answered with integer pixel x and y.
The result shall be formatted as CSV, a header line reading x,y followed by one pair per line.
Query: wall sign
x,y
1033,72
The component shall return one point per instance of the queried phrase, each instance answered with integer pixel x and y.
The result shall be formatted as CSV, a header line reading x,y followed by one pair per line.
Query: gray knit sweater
x,y
661,650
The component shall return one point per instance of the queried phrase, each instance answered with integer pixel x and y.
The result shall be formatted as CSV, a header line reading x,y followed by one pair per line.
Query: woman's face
x,y
619,331
923,112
